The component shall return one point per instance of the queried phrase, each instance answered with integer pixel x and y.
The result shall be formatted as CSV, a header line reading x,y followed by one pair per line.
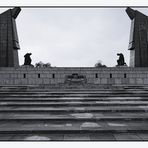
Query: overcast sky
x,y
77,37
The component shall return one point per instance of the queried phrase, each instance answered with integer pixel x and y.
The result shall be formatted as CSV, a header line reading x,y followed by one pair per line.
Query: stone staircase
x,y
35,113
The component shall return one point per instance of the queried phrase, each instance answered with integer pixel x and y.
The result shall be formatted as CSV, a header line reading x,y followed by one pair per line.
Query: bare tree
x,y
99,64
41,64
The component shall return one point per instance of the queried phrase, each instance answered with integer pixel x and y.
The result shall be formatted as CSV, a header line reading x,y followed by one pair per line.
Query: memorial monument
x,y
138,43
73,103
9,43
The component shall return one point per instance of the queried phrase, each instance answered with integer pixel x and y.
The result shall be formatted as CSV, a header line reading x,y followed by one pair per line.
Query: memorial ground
x,y
66,104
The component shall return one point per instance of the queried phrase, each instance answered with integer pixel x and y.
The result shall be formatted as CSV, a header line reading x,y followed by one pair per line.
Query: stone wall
x,y
57,75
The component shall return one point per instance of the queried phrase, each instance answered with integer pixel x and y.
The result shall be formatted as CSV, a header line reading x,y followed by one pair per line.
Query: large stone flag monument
x,y
138,44
9,43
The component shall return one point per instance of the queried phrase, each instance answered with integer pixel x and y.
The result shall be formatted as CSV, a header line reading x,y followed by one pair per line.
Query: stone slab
x,y
102,137
143,136
38,137
76,137
126,137
6,137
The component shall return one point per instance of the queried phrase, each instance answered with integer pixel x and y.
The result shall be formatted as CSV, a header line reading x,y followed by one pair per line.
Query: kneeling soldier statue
x,y
120,61
27,59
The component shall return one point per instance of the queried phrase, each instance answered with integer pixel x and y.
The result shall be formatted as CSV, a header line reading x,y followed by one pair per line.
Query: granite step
x,y
75,137
72,92
136,94
42,91
65,90
72,103
68,117
75,109
79,90
69,87
32,129
73,99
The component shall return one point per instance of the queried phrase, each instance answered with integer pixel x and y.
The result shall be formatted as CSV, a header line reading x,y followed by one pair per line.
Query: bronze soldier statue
x,y
27,59
120,61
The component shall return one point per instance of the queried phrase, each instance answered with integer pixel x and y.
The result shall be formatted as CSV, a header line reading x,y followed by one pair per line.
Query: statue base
x,y
28,66
121,66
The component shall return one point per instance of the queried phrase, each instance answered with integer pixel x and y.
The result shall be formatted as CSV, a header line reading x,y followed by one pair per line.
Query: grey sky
x,y
74,37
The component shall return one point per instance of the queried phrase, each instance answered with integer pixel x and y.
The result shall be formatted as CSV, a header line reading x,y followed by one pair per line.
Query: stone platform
x,y
55,76
77,114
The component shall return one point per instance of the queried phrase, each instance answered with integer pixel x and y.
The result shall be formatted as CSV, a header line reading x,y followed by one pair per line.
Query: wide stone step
x,y
138,94
68,98
68,128
73,103
76,109
120,136
68,117
63,90
70,88
19,90
74,92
